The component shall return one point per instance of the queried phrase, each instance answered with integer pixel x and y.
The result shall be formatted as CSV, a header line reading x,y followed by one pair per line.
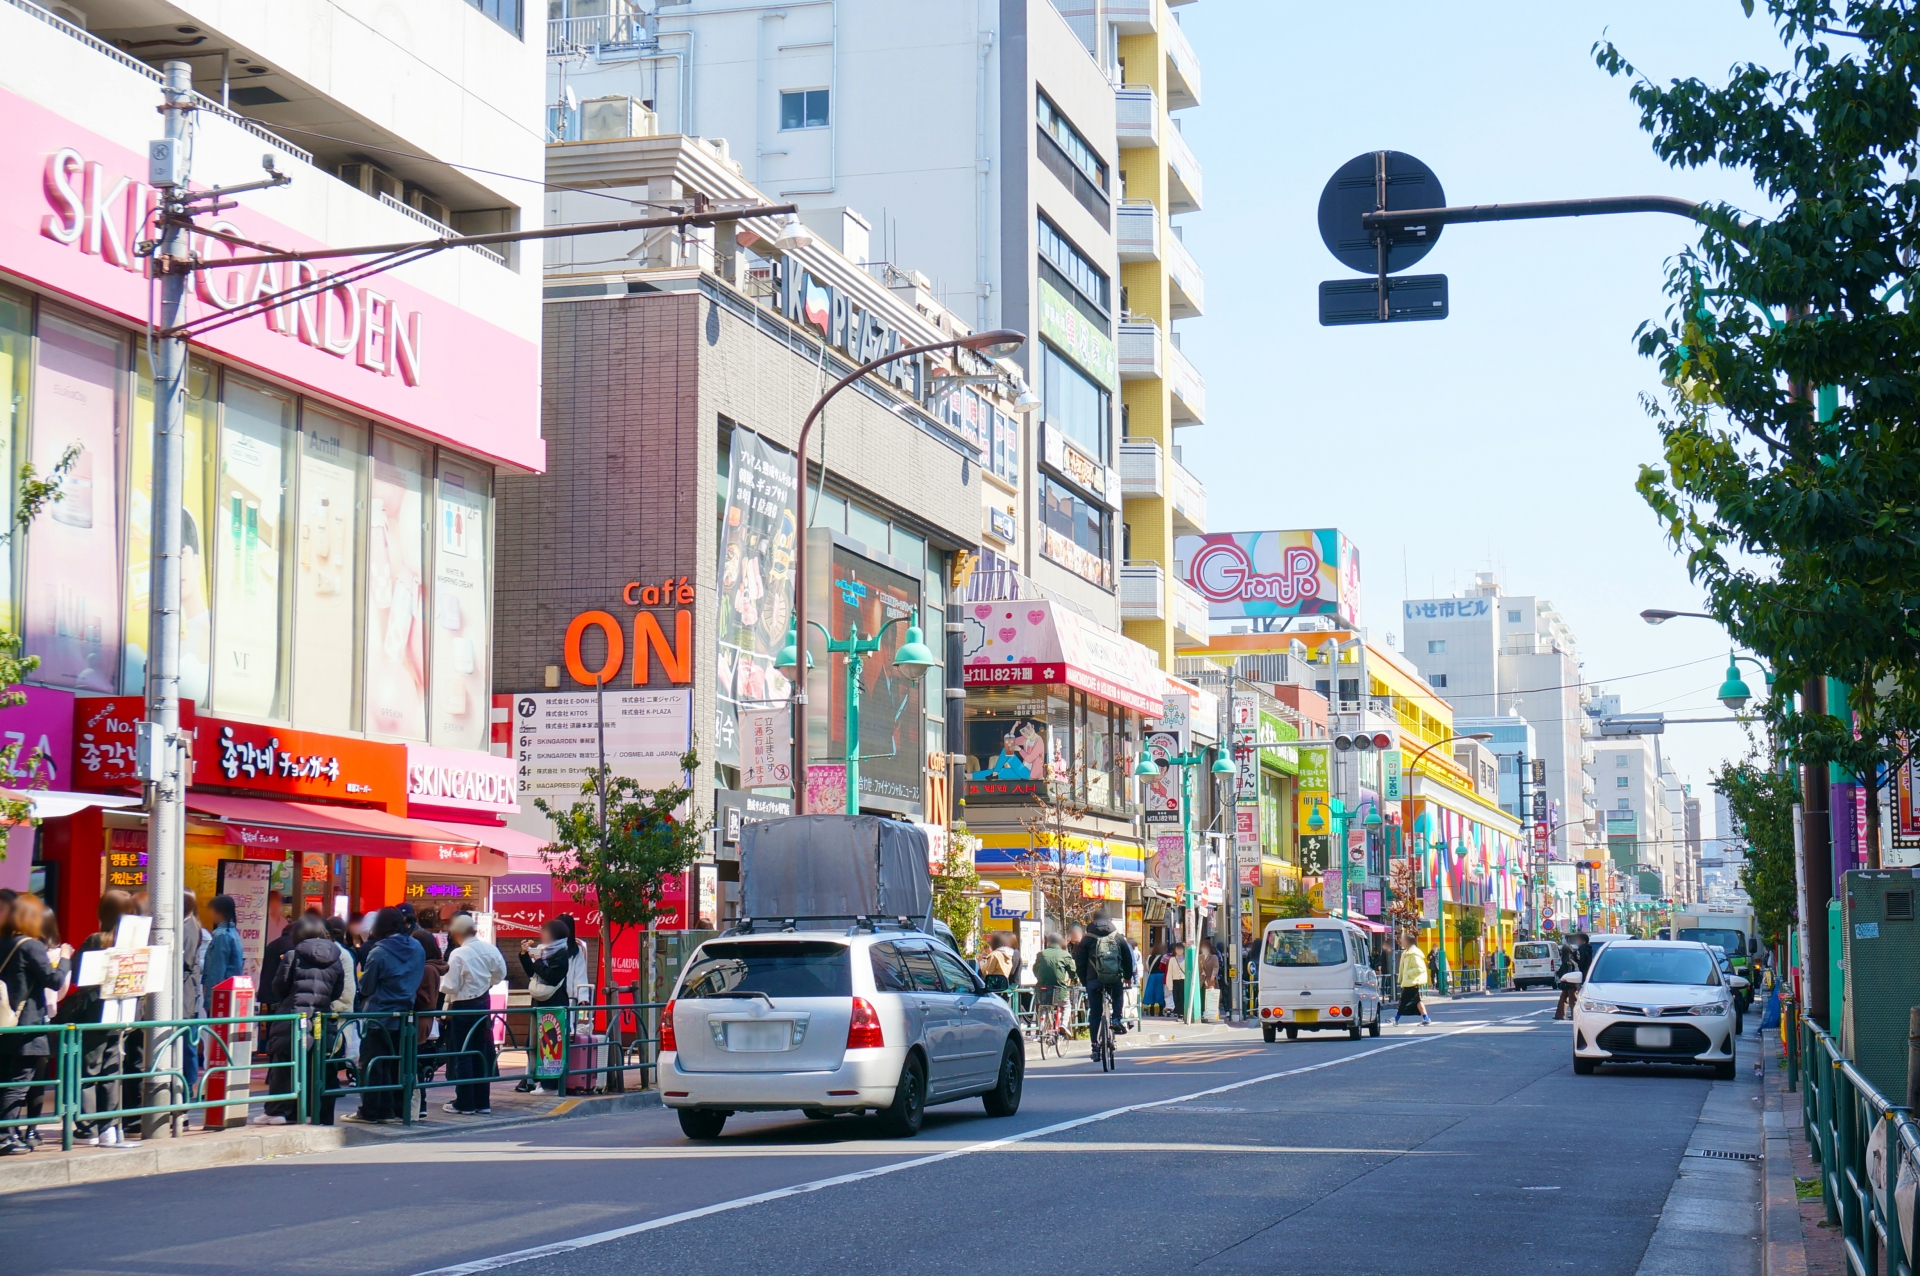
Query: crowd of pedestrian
x,y
367,971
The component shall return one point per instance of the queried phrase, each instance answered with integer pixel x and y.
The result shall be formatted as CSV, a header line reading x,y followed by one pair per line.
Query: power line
x,y
1585,682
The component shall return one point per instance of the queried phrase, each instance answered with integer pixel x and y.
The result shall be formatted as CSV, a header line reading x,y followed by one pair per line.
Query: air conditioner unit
x,y
371,179
603,119
421,202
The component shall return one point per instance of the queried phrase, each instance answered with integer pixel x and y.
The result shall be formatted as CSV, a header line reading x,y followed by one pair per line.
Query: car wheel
x,y
901,1119
1353,1030
1271,1033
1004,1099
1293,1034
1373,1029
816,1114
1725,1071
1583,1067
698,1123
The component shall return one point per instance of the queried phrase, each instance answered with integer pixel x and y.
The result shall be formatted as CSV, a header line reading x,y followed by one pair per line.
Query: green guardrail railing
x,y
304,1060
1841,1110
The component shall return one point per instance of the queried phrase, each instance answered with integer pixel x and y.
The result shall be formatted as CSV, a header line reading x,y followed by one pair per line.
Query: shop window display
x,y
252,601
396,684
327,594
462,717
73,557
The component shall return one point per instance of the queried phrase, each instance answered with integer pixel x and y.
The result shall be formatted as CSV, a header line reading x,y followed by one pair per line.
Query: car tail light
x,y
666,1030
863,1032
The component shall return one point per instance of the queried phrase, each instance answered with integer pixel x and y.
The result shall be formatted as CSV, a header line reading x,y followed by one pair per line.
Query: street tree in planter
x,y
1791,435
615,848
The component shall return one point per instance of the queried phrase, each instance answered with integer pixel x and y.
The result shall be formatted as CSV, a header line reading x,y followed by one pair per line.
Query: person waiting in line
x,y
26,977
225,958
548,965
473,968
389,981
100,1048
427,1026
308,980
996,964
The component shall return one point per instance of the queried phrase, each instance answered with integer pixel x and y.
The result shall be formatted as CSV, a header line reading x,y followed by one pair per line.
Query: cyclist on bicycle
x,y
1104,962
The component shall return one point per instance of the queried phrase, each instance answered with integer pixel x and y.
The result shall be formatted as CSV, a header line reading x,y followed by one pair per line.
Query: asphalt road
x,y
1466,1147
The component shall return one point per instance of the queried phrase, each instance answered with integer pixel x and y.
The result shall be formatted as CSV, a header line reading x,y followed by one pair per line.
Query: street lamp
x,y
1733,692
1660,615
993,344
913,659
1187,761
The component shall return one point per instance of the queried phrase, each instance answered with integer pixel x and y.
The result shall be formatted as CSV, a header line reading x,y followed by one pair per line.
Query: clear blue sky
x,y
1509,435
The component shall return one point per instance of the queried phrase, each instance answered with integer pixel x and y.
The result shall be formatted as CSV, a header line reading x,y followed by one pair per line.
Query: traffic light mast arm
x,y
1403,218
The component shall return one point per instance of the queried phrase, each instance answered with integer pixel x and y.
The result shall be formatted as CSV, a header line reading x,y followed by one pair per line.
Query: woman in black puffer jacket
x,y
310,979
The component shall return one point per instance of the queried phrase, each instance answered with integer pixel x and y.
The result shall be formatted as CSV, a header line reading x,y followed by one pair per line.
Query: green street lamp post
x,y
913,659
1222,765
1734,692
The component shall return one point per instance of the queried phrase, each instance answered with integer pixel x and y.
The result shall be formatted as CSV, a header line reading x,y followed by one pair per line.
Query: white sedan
x,y
1654,1001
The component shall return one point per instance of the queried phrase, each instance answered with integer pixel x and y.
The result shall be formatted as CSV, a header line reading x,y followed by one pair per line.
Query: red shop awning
x,y
262,824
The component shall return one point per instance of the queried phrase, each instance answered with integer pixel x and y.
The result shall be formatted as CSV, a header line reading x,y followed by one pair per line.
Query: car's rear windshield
x,y
1627,965
1730,942
1306,948
781,969
1532,950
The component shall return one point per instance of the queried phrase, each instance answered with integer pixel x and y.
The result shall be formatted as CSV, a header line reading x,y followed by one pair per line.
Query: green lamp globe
x,y
914,658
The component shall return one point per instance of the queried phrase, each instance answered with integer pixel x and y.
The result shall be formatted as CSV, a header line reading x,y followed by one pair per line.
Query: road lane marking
x,y
557,1248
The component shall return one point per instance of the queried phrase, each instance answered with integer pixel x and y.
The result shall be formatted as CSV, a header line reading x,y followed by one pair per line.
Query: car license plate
x,y
1653,1038
1307,1016
759,1038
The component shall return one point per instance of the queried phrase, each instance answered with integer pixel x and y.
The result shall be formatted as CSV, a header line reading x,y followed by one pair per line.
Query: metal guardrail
x,y
313,1069
1841,1109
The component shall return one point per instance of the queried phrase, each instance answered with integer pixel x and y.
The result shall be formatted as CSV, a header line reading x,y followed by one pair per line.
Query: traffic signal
x,y
1364,741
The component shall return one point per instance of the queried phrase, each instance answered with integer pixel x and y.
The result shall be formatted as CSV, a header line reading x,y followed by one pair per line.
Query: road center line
x,y
573,1244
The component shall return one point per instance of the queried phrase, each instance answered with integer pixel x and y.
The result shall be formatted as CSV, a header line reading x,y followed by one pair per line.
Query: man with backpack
x,y
1104,961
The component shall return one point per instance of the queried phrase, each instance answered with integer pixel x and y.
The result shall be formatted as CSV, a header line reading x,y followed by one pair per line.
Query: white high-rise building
x,y
1492,654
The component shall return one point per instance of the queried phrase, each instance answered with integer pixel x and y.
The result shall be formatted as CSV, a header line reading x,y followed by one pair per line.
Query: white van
x,y
1314,975
1534,961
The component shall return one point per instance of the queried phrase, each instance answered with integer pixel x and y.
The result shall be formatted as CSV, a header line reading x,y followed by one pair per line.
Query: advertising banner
x,y
1160,794
1078,337
1906,815
756,585
854,588
247,882
1313,572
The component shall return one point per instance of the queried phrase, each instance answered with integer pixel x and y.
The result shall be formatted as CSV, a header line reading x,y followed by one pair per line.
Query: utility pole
x,y
170,162
1231,990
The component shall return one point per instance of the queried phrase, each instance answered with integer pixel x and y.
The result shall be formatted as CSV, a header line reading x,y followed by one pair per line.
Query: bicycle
x,y
1049,1015
1103,1052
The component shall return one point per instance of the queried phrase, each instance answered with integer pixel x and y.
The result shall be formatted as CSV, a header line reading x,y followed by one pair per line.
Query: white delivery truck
x,y
1314,976
1731,929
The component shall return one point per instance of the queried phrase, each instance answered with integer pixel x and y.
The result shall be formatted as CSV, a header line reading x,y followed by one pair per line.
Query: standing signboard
x,y
246,883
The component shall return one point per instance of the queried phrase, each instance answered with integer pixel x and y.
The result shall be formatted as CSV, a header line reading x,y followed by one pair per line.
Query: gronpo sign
x,y
1313,572
73,210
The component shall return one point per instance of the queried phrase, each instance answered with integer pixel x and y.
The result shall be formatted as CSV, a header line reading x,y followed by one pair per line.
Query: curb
x,y
39,1171
1784,1252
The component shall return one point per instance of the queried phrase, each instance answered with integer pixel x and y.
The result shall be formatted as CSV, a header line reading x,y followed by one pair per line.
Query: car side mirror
x,y
1734,981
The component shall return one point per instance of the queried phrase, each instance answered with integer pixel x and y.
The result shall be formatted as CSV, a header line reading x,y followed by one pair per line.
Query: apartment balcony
x,y
1142,470
1183,69
1189,500
1189,388
1143,591
1140,350
1134,17
1189,615
1136,111
1189,293
1137,230
1183,174
622,28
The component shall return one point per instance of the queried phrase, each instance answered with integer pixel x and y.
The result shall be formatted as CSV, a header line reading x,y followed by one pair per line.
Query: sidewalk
x,y
1799,1243
1711,1224
200,1149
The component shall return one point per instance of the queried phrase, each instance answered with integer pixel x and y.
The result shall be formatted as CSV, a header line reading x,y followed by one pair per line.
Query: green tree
x,y
1761,798
956,887
616,846
1791,433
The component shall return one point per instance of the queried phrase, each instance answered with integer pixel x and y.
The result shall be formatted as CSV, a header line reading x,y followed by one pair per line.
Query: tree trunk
x,y
1873,825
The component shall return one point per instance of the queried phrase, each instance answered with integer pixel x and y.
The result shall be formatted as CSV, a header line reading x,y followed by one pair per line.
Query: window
x,y
327,595
1513,618
1623,805
1507,761
1438,680
1621,781
1436,646
1075,404
1075,533
196,530
1619,759
396,537
505,12
462,628
779,969
251,601
1305,948
917,957
1005,459
959,977
803,108
1087,279
1078,149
